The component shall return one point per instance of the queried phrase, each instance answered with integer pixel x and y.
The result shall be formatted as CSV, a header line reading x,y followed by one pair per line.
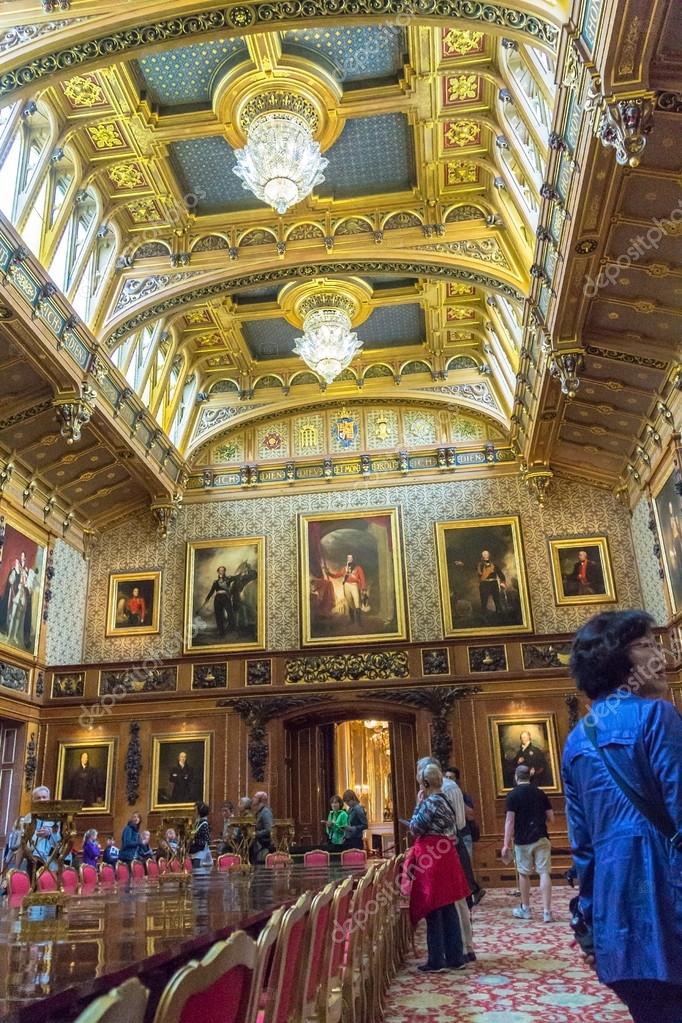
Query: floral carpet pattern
x,y
526,972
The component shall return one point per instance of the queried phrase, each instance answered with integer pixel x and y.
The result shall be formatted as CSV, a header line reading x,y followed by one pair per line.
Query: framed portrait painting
x,y
530,740
23,553
85,772
134,603
225,595
668,513
581,571
483,586
351,578
180,770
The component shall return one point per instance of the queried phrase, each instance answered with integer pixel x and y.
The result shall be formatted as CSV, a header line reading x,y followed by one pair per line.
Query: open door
x,y
311,752
403,772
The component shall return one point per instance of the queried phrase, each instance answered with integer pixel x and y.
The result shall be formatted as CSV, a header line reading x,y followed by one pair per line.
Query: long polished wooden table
x,y
50,970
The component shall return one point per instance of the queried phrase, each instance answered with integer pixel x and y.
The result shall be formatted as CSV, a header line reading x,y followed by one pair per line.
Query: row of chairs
x,y
327,959
87,877
69,879
314,858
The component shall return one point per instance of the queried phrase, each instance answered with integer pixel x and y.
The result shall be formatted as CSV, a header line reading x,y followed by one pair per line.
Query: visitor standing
x,y
529,811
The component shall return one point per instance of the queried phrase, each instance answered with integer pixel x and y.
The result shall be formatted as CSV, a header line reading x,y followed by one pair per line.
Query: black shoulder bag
x,y
656,816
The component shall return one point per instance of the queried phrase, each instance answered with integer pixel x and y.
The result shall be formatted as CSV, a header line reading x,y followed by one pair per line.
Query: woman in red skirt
x,y
437,877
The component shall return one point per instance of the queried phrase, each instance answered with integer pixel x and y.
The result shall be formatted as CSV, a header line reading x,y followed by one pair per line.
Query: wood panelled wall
x,y
295,775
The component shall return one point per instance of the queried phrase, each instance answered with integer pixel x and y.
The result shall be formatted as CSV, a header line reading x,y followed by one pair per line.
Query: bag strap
x,y
656,815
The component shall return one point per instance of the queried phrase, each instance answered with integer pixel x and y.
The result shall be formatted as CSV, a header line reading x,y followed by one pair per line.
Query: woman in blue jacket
x,y
630,871
130,840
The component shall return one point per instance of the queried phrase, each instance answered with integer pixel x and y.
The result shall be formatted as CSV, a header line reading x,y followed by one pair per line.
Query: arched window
x,y
525,143
184,410
76,235
523,81
94,274
520,187
9,171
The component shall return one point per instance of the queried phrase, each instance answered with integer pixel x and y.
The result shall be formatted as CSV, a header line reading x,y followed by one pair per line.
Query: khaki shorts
x,y
535,858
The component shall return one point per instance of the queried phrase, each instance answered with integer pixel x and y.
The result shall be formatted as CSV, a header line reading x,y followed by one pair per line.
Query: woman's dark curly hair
x,y
600,662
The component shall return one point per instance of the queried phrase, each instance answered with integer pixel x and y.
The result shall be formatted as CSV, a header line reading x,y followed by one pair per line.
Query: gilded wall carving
x,y
135,543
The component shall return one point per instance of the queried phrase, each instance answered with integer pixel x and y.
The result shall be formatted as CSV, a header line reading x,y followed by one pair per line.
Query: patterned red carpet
x,y
526,972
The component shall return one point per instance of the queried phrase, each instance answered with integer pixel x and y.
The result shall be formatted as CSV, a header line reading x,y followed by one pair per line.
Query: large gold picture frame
x,y
225,595
358,602
482,597
508,738
22,583
581,570
134,603
90,780
667,504
178,784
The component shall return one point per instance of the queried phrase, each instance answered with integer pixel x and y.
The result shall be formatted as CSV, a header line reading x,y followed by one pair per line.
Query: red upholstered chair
x,y
46,880
137,870
278,859
152,868
69,880
122,873
316,858
174,867
124,1004
228,861
330,1001
284,996
187,866
356,996
107,874
162,864
219,989
18,883
353,858
316,956
88,875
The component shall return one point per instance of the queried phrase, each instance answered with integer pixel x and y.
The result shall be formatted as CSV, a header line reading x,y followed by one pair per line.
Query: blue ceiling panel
x,y
204,168
360,54
391,326
386,327
184,76
372,155
270,339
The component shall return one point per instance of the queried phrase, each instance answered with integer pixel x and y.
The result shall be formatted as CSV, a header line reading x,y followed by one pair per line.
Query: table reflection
x,y
50,968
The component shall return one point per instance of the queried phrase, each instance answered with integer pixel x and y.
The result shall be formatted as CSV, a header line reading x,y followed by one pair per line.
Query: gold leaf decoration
x,y
462,87
126,175
458,42
143,211
461,133
106,135
83,91
460,173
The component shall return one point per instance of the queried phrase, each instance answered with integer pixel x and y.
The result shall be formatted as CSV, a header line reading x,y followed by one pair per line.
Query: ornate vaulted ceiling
x,y
468,193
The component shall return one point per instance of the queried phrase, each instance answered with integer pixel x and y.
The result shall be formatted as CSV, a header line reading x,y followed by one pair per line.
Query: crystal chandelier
x,y
281,162
328,344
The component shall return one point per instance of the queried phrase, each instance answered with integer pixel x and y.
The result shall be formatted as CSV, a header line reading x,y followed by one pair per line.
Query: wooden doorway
x,y
11,749
312,760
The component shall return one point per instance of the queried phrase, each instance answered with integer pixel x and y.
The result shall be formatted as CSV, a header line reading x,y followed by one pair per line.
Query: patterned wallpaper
x,y
64,644
653,587
135,545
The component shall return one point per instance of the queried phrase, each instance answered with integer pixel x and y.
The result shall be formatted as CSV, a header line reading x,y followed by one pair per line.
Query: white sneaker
x,y
547,917
522,913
